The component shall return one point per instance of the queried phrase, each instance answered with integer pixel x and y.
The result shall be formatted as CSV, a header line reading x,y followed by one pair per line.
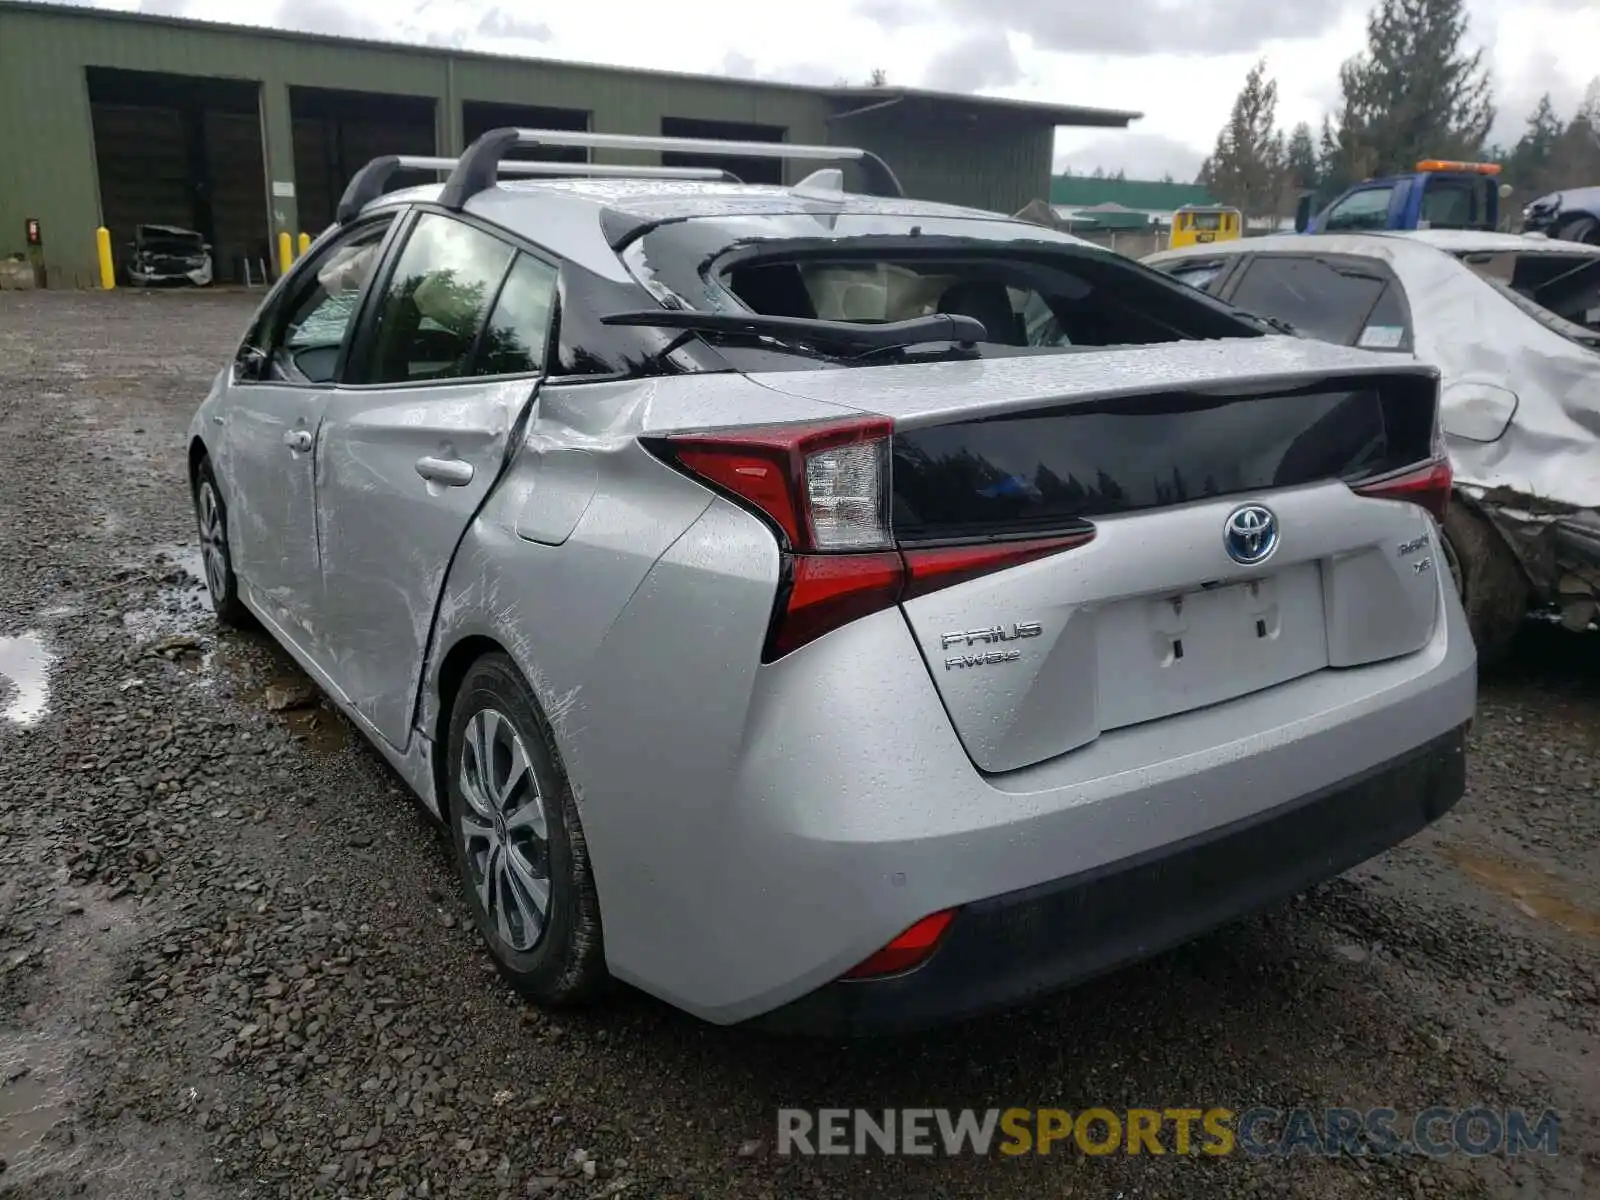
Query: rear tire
x,y
519,846
1580,229
1493,589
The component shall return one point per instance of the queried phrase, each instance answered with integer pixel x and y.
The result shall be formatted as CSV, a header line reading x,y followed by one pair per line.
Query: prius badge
x,y
994,636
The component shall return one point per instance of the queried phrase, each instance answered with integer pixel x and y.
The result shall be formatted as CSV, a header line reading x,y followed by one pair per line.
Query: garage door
x,y
141,154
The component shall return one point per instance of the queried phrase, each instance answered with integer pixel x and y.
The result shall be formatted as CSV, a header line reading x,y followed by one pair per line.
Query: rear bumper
x,y
1009,948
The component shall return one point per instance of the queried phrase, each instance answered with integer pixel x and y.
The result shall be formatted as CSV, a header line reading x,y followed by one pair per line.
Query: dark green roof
x,y
1109,221
1081,191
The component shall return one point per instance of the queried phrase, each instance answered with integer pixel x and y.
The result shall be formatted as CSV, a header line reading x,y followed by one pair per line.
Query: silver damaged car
x,y
826,609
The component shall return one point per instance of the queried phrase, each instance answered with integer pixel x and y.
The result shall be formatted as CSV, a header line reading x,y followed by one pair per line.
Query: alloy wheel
x,y
213,542
504,830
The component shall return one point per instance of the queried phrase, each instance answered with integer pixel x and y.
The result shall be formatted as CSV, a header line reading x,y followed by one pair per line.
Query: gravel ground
x,y
232,961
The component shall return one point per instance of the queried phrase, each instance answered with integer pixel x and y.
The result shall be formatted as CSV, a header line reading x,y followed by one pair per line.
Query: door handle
x,y
451,472
298,439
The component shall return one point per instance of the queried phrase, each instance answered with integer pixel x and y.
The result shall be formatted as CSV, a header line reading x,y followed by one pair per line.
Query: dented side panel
x,y
1543,470
400,473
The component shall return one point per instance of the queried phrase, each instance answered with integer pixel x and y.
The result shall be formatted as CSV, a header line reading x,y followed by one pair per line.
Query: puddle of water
x,y
25,661
186,559
321,729
316,725
1535,893
33,1100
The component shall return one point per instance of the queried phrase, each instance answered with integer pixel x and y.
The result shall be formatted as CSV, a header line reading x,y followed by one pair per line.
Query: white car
x,y
1512,322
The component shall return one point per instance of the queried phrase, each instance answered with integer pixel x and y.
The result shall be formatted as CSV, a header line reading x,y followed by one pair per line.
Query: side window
x,y
1451,204
518,332
1366,209
1199,275
1387,326
299,339
434,305
1315,297
1040,324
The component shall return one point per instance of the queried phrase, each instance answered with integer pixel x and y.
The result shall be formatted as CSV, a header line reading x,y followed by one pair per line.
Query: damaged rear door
x,y
412,444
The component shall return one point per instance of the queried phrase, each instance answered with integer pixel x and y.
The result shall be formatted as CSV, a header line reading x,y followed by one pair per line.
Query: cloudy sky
x,y
1180,62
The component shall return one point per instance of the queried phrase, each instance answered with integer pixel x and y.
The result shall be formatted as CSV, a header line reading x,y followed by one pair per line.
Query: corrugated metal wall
x,y
991,164
47,155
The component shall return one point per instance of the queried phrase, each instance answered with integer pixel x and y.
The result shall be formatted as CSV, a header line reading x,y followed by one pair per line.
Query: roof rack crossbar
x,y
373,179
481,163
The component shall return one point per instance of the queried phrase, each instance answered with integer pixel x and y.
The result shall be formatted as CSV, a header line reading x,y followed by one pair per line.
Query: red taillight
x,y
931,568
826,591
775,467
910,949
824,487
1428,485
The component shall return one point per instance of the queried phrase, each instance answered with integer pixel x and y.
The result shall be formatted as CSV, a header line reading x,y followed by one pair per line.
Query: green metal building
x,y
121,119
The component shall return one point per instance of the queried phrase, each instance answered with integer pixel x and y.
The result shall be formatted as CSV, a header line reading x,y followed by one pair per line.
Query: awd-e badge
x,y
994,635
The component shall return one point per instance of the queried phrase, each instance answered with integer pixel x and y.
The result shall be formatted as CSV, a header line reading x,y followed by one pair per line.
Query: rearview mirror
x,y
1302,214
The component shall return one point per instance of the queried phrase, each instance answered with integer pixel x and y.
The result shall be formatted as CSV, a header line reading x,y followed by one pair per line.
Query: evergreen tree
x,y
1575,157
1530,164
1415,93
1331,172
1246,167
1589,110
1300,160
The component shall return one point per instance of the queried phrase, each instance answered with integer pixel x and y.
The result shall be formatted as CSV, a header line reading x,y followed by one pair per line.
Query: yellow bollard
x,y
285,252
108,270
305,244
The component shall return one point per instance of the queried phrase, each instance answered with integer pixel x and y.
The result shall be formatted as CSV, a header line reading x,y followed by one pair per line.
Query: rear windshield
x,y
1032,294
1562,291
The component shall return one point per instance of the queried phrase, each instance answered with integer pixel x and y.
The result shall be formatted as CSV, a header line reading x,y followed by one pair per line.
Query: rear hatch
x,y
1241,533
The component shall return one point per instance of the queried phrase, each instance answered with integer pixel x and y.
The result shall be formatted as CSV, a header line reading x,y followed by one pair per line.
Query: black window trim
x,y
368,316
272,312
1230,264
1357,264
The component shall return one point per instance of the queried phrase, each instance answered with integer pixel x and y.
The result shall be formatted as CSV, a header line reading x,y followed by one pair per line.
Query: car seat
x,y
989,303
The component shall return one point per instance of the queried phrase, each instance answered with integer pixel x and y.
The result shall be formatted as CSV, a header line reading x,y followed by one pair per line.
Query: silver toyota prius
x,y
825,609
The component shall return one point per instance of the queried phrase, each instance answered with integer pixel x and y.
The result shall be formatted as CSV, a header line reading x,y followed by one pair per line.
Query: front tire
x,y
1488,578
211,517
519,846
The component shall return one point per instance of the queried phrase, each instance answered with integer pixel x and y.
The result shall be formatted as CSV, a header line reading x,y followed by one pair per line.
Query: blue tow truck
x,y
1438,195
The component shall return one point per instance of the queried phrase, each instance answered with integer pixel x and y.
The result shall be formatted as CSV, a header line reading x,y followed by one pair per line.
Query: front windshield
x,y
1561,291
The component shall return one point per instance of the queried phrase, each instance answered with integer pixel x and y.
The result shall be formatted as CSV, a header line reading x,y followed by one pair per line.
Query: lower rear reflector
x,y
910,949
